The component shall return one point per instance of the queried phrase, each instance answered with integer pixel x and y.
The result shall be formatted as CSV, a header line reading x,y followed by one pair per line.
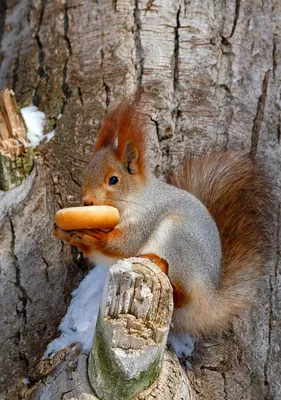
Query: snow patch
x,y
78,325
49,136
35,121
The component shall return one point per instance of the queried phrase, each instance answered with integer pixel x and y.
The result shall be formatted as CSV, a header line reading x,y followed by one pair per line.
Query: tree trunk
x,y
211,71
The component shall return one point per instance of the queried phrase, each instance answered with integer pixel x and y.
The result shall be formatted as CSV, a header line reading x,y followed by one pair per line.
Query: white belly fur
x,y
99,258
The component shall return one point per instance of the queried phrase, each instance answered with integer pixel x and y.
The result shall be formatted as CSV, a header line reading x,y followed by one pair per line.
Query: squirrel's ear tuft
x,y
132,136
108,132
124,132
130,158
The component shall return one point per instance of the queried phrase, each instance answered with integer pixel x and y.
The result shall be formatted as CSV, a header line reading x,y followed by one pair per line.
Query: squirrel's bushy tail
x,y
239,198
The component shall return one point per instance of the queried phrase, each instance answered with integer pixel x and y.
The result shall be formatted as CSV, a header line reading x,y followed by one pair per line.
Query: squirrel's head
x,y
118,168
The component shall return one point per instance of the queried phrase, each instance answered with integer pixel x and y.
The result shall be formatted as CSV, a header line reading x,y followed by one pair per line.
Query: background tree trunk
x,y
211,70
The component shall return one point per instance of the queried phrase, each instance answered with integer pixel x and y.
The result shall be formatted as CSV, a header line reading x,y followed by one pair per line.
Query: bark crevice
x,y
279,131
67,92
274,56
259,115
236,16
40,57
139,62
175,111
46,268
273,282
15,71
155,122
66,28
23,297
80,94
74,180
104,84
176,52
3,10
114,5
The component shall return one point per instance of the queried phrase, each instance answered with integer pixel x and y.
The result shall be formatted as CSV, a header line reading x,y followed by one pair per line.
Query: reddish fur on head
x,y
125,124
119,152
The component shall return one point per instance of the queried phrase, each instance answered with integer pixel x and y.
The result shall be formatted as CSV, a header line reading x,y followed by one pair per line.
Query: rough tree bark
x,y
211,71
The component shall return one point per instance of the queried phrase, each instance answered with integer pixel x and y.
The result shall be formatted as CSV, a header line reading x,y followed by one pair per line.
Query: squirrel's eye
x,y
113,180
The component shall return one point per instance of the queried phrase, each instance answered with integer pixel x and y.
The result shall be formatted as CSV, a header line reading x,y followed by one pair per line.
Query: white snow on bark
x,y
78,325
35,121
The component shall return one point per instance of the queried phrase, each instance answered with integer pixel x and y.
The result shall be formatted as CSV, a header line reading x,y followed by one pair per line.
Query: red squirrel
x,y
208,228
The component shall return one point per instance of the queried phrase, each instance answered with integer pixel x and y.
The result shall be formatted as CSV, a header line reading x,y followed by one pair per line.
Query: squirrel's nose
x,y
87,202
91,200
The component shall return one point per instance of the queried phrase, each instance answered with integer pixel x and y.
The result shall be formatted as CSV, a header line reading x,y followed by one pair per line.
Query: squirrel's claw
x,y
66,236
91,236
85,236
75,238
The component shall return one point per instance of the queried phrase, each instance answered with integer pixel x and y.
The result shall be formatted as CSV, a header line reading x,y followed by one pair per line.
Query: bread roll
x,y
90,217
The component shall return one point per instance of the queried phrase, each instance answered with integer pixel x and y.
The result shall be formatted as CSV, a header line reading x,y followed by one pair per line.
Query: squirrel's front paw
x,y
91,237
61,234
74,238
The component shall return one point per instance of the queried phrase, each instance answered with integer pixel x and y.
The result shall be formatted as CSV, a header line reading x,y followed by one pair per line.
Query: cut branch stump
x,y
128,359
16,158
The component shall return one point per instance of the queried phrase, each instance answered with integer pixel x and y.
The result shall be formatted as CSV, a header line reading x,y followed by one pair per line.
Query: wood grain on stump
x,y
128,358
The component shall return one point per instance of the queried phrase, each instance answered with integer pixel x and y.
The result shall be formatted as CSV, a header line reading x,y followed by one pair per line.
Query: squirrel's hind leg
x,y
204,314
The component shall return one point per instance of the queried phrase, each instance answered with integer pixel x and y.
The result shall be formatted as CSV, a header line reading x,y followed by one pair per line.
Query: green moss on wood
x,y
113,384
14,170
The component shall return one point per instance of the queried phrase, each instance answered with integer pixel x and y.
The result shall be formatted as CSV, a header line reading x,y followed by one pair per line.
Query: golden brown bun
x,y
90,217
